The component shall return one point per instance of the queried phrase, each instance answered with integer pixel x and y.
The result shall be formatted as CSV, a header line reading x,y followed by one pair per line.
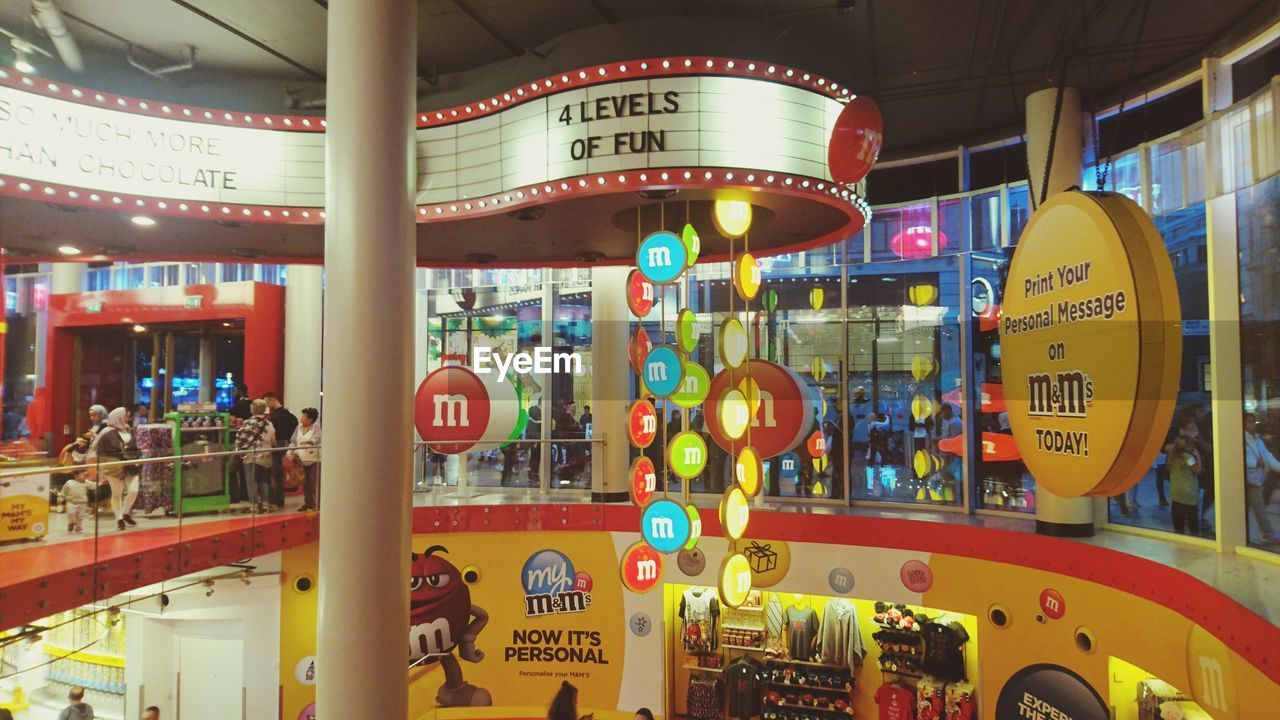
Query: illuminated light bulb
x,y
732,217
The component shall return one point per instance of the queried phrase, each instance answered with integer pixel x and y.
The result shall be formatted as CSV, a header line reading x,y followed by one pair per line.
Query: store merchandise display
x,y
78,648
155,488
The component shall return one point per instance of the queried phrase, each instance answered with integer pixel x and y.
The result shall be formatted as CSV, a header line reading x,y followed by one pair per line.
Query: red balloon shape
x,y
855,141
916,242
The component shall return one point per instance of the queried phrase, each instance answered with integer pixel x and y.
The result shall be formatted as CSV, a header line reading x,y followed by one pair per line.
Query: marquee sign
x,y
84,147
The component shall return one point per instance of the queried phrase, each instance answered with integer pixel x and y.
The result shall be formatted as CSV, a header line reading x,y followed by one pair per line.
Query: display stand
x,y
24,504
201,484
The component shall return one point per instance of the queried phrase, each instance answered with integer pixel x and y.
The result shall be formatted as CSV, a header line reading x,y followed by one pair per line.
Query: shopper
x,y
254,440
533,437
97,419
1258,459
6,714
307,441
75,496
151,713
586,418
116,442
141,414
644,714
285,423
1185,466
1204,445
564,706
78,709
242,407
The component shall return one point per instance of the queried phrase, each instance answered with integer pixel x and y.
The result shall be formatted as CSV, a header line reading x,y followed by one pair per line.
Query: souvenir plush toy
x,y
442,618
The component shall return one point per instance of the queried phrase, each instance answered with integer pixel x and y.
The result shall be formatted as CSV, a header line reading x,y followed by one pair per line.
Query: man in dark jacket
x,y
285,423
240,408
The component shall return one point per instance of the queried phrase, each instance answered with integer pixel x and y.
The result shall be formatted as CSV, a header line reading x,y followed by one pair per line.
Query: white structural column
x,y
1226,380
610,383
67,278
63,278
1056,515
303,320
362,667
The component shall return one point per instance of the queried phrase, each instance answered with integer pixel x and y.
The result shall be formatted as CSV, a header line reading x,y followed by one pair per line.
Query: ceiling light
x,y
68,250
139,328
22,63
142,220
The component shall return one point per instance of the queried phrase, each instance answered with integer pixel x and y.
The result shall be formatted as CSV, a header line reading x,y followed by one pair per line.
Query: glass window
x,y
1258,219
953,226
902,233
1173,496
904,378
1125,177
984,220
1001,480
1019,211
1168,173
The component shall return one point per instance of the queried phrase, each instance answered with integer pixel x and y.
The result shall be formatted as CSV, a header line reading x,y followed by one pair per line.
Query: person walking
x,y
97,419
284,423
307,455
1258,459
151,713
254,440
75,496
116,442
78,709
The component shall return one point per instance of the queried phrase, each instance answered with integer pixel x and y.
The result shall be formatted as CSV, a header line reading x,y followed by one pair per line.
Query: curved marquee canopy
x,y
546,173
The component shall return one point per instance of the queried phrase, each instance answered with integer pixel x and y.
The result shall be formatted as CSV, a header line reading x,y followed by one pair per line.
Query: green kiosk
x,y
201,484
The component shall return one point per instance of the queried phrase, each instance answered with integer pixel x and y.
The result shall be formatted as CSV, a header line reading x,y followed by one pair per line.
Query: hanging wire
x,y
1104,168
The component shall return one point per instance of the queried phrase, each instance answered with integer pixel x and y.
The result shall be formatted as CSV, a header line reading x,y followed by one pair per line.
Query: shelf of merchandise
x,y
903,673
752,628
819,688
809,707
743,647
806,663
91,658
700,668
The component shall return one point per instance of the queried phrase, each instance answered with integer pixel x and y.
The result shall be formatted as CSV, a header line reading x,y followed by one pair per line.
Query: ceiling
x,y
944,73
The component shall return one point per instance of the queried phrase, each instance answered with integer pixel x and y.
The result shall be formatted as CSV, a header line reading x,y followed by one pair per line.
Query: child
x,y
1184,485
75,494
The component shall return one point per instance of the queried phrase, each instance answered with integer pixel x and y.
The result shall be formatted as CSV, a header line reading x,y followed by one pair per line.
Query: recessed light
x,y
139,328
68,249
142,220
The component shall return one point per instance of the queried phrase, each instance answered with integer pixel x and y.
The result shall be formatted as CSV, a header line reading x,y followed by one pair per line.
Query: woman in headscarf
x,y
115,443
97,419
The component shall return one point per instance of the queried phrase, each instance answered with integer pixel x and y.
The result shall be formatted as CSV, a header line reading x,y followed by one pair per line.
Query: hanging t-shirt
x,y
743,683
944,650
897,702
700,610
802,626
841,639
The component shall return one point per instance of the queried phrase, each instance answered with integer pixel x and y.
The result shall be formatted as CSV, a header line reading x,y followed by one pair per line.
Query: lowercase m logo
x,y
452,409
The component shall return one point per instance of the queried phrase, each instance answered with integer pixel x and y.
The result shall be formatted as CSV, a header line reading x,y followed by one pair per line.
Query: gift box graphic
x,y
761,557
